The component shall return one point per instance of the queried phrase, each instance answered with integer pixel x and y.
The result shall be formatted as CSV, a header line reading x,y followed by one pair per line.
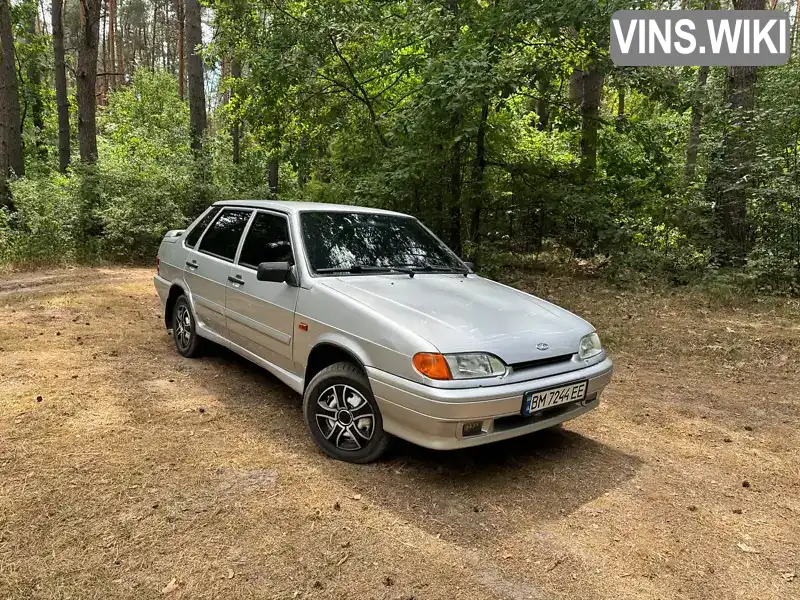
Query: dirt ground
x,y
128,471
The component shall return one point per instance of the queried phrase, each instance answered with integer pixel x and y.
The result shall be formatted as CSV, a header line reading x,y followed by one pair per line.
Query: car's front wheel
x,y
184,329
342,415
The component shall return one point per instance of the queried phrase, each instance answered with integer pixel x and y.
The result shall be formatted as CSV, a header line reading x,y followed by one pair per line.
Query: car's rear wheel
x,y
184,329
342,415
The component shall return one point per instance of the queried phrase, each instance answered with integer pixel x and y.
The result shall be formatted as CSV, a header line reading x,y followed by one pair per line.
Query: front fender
x,y
352,345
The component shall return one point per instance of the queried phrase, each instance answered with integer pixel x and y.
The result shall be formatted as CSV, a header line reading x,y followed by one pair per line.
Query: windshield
x,y
362,242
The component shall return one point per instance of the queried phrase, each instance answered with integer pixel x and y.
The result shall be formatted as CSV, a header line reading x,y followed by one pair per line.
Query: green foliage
x,y
42,229
464,113
37,96
144,183
145,174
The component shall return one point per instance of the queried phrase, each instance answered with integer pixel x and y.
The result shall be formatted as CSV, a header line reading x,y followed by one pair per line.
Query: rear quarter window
x,y
197,230
222,238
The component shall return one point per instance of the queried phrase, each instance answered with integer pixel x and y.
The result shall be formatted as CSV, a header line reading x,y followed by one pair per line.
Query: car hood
x,y
465,314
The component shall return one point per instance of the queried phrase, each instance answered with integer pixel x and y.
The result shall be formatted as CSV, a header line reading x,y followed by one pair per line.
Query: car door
x,y
261,313
208,266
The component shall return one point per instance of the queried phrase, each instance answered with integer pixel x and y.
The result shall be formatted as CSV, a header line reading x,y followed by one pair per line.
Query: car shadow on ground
x,y
503,487
462,495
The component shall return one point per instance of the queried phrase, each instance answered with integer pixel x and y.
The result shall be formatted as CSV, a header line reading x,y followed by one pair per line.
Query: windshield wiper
x,y
368,269
357,269
431,268
407,269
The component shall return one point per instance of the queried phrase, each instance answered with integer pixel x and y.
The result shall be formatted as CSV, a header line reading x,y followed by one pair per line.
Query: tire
x,y
353,434
184,329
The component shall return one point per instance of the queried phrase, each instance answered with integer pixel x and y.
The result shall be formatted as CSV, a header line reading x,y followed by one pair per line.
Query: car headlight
x,y
471,365
590,346
465,365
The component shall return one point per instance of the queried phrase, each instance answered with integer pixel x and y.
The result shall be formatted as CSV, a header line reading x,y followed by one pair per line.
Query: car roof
x,y
296,207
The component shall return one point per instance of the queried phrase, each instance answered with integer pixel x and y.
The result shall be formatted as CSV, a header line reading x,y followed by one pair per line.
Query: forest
x,y
502,124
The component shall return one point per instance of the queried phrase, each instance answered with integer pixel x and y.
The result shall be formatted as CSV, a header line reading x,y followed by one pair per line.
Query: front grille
x,y
532,364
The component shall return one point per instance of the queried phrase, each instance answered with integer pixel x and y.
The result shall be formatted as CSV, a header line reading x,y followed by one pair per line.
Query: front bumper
x,y
434,417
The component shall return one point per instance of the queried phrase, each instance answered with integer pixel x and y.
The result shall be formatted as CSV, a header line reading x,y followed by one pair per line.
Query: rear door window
x,y
267,241
222,238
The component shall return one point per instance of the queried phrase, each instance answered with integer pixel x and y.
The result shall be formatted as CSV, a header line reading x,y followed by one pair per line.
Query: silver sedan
x,y
378,324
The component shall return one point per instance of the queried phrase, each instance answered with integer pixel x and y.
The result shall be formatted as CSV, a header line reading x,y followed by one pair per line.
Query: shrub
x,y
41,230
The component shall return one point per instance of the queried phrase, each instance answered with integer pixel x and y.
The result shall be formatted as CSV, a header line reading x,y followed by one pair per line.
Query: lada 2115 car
x,y
379,325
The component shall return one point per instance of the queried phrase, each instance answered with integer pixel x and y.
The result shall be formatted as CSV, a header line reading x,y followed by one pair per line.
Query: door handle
x,y
238,279
191,264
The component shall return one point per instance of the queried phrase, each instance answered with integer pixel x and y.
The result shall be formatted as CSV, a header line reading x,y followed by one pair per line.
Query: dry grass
x,y
115,483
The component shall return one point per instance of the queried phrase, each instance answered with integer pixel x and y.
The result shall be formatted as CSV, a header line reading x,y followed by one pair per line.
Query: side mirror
x,y
277,272
470,265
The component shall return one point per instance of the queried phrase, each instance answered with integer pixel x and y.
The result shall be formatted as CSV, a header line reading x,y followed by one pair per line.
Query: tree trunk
x,y
698,107
143,51
479,169
302,175
11,157
120,44
236,73
730,184
101,91
112,40
180,17
542,107
168,64
576,86
197,95
795,45
737,147
153,38
455,163
35,95
40,17
455,198
61,87
620,107
590,119
273,176
223,89
86,78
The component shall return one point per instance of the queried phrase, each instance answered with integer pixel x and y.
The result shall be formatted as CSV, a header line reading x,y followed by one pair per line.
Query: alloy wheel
x,y
183,327
345,417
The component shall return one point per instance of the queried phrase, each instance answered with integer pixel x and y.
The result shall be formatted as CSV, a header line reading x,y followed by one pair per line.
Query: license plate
x,y
539,400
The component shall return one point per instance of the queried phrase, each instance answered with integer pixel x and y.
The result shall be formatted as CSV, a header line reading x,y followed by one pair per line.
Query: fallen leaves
x,y
705,502
749,549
